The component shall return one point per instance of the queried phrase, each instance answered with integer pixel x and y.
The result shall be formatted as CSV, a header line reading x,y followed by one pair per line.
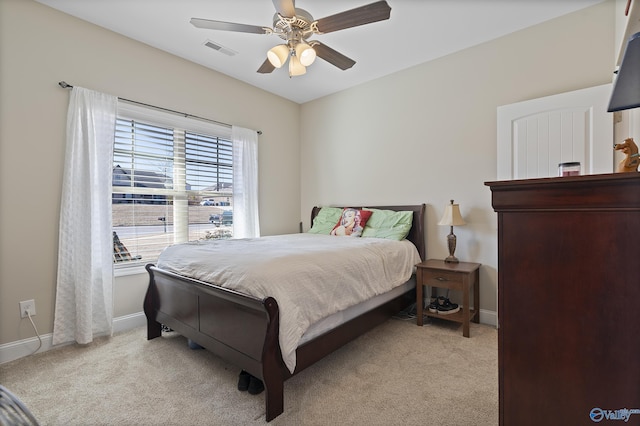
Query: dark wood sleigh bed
x,y
243,330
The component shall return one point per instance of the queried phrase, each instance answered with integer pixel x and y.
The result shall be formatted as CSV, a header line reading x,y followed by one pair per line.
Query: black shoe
x,y
433,306
255,386
243,381
445,307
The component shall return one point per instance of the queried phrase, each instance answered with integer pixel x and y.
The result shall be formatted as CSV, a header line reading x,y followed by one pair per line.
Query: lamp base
x,y
451,243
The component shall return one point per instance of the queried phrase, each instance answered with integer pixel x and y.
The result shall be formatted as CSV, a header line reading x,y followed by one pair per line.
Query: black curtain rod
x,y
66,85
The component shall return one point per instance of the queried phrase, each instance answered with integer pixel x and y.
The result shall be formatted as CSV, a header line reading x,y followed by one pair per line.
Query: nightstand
x,y
460,276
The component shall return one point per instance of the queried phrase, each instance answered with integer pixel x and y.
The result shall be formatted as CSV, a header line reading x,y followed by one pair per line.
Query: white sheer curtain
x,y
84,305
246,223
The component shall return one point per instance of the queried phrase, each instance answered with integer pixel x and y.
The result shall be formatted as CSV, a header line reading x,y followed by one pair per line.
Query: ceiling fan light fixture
x,y
295,67
306,54
295,26
278,55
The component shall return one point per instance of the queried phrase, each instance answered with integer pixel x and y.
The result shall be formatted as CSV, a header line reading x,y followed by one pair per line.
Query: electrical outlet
x,y
27,306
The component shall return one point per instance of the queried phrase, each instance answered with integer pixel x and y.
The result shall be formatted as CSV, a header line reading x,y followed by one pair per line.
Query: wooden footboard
x,y
244,330
240,329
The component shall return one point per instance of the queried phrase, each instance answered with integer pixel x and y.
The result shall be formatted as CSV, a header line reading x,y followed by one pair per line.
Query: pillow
x,y
325,220
351,223
389,224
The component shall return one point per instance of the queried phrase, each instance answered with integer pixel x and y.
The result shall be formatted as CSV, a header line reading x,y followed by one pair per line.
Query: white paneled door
x,y
535,136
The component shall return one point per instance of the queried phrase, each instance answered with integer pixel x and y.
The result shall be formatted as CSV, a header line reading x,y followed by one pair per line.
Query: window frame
x,y
183,123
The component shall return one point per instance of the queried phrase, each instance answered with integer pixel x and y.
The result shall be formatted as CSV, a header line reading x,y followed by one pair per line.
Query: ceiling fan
x,y
295,26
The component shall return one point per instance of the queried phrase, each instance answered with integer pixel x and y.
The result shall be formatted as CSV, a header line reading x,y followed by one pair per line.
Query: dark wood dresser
x,y
569,299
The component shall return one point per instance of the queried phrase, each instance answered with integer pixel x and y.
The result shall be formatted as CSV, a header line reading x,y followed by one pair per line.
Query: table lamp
x,y
451,217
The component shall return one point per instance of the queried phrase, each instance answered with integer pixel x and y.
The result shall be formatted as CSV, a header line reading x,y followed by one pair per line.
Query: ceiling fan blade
x,y
226,26
266,67
286,8
333,56
374,12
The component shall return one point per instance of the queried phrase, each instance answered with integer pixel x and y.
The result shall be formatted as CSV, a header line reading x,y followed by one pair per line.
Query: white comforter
x,y
311,276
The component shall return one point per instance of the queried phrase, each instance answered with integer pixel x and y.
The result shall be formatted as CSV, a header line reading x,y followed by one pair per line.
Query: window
x,y
172,182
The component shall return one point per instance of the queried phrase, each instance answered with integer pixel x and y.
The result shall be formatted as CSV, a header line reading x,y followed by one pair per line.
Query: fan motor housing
x,y
301,21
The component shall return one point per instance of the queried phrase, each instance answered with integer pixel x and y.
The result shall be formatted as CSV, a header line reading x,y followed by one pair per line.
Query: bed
x,y
245,330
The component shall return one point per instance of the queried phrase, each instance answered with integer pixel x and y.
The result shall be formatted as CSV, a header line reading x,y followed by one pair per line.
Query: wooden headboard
x,y
416,233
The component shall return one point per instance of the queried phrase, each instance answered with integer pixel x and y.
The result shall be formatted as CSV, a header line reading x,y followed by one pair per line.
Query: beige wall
x,y
428,134
40,46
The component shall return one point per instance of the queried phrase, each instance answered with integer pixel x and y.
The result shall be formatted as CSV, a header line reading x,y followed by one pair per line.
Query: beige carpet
x,y
397,374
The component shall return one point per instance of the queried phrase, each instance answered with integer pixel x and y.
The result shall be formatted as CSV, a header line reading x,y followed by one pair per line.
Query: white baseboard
x,y
489,317
22,348
129,322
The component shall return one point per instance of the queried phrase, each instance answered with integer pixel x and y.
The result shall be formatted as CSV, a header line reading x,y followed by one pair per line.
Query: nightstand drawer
x,y
442,279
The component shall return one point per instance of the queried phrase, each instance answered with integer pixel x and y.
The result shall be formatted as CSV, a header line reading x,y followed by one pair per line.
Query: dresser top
x,y
615,191
621,178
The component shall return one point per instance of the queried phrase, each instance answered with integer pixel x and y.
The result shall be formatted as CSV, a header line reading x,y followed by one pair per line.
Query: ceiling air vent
x,y
220,48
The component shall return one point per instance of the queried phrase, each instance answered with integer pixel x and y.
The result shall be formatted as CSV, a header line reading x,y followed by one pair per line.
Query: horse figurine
x,y
632,159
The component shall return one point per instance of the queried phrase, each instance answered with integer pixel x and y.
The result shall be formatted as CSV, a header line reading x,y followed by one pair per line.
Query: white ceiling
x,y
418,31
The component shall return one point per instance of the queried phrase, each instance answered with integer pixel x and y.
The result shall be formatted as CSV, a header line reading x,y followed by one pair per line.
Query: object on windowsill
x,y
120,252
632,158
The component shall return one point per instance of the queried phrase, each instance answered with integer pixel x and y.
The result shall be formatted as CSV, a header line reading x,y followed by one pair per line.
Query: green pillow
x,y
389,224
325,220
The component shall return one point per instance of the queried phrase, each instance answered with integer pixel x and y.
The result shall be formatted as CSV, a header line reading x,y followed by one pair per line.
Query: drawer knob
x,y
441,279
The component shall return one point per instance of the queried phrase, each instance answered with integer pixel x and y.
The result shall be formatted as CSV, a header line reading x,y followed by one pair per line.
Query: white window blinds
x,y
172,182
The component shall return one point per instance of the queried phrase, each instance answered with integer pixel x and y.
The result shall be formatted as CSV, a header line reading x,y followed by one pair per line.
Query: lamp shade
x,y
295,67
305,53
278,55
452,216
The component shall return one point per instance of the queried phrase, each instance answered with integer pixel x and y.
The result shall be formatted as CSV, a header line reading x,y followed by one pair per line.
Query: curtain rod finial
x,y
64,85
